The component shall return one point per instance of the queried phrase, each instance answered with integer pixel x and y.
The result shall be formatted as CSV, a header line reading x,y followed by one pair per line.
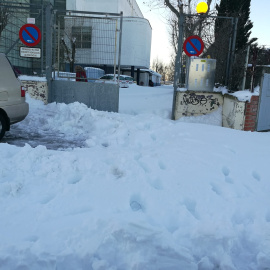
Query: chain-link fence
x,y
218,35
258,58
12,17
87,40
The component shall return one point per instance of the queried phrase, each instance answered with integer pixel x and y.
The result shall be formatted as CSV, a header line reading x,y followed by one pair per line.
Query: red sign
x,y
30,35
193,46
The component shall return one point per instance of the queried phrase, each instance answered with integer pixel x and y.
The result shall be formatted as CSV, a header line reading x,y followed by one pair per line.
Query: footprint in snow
x,y
161,165
118,173
135,206
215,188
256,176
226,172
191,207
136,203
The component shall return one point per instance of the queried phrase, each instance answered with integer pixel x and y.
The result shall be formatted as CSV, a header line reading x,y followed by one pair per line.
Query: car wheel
x,y
3,126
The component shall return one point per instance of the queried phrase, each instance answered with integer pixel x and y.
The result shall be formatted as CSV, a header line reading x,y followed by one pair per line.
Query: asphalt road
x,y
20,137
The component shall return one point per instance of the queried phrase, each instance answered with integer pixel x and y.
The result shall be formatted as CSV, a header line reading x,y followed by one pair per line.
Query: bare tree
x,y
166,70
159,67
199,25
70,53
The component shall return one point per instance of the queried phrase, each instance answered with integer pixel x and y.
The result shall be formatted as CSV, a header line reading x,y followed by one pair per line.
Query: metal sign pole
x,y
120,43
178,62
49,51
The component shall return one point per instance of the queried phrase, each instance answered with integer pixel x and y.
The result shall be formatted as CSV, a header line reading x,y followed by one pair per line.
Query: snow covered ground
x,y
142,192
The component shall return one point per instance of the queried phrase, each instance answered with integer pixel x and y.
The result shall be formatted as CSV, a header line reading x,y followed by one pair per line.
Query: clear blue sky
x,y
260,14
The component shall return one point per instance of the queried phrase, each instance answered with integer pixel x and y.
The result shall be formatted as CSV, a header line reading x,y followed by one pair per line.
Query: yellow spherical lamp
x,y
202,8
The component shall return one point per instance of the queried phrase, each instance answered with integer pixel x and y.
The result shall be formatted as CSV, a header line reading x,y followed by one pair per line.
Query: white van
x,y
13,107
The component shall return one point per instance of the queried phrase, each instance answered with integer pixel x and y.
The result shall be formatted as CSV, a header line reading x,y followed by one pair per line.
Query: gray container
x,y
93,73
201,74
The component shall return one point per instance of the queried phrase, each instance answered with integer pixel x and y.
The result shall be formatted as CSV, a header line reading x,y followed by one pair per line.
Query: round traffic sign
x,y
193,46
30,35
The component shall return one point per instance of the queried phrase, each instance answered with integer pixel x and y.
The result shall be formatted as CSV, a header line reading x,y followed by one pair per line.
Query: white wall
x,y
136,36
233,115
129,7
136,42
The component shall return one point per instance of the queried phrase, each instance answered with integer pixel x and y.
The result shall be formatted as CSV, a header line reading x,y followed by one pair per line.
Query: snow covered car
x,y
13,107
110,78
129,79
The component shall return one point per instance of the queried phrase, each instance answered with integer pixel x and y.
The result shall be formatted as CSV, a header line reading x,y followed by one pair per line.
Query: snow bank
x,y
144,193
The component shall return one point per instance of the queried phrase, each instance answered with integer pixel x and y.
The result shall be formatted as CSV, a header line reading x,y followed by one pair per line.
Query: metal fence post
x,y
49,51
245,71
178,61
120,44
233,51
42,41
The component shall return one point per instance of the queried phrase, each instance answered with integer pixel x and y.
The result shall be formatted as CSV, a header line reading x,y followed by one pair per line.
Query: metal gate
x,y
263,122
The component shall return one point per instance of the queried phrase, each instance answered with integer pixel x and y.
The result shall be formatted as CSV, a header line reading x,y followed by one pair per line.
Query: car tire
x,y
3,126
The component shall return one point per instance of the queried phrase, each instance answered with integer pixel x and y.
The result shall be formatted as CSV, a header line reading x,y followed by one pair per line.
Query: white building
x,y
128,7
136,34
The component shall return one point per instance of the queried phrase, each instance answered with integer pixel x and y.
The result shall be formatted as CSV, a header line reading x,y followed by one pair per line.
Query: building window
x,y
83,35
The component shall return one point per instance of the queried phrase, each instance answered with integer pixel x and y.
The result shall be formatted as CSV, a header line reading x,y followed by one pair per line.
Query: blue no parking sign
x,y
193,46
30,35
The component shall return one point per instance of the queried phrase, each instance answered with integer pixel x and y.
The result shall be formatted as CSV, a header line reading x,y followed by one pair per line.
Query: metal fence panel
x,y
89,40
99,96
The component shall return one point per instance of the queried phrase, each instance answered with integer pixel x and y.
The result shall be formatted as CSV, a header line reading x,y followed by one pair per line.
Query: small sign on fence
x,y
30,52
31,20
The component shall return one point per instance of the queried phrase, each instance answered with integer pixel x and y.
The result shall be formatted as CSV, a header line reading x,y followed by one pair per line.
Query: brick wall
x,y
251,114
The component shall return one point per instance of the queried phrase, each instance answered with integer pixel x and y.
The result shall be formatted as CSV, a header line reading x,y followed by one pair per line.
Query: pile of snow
x,y
145,192
246,95
32,78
